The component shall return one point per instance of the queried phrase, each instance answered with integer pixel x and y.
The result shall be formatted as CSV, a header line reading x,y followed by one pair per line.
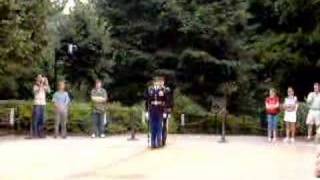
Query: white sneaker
x,y
286,140
269,139
93,135
292,140
102,135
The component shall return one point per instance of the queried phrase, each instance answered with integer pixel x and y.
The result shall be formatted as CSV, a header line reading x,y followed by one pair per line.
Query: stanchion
x,y
223,128
133,129
182,122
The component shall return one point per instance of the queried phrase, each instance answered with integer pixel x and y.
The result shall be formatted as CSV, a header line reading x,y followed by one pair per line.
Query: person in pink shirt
x,y
272,107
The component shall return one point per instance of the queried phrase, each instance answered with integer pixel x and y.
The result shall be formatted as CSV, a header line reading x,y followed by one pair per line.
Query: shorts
x,y
290,116
272,122
313,117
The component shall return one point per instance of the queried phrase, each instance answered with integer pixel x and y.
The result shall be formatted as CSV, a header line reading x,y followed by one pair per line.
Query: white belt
x,y
156,102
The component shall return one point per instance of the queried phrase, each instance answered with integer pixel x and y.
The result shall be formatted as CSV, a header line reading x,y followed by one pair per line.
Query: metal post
x,y
55,73
223,128
11,119
182,122
133,130
148,133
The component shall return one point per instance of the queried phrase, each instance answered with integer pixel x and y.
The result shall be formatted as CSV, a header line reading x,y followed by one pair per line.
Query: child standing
x,y
272,107
61,102
290,114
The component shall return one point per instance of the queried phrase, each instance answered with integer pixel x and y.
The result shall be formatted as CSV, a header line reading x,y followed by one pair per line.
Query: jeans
x,y
98,123
61,119
38,121
272,122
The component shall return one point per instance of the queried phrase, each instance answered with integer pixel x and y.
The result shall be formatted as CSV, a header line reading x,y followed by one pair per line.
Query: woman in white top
x,y
290,114
40,89
313,102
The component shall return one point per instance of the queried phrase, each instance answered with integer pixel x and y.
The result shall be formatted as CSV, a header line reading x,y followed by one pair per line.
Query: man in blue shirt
x,y
61,102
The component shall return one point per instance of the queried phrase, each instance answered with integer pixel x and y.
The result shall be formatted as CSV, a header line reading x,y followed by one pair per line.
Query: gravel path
x,y
186,157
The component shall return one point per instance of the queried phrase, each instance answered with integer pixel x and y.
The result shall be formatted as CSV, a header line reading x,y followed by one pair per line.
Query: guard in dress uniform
x,y
167,110
155,106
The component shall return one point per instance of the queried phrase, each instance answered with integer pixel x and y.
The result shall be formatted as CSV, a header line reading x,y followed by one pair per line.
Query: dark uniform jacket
x,y
156,99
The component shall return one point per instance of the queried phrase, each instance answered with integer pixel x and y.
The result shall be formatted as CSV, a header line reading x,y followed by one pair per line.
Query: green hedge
x,y
121,119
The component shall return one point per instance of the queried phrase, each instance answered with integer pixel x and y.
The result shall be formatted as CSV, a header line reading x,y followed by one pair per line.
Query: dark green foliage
x,y
24,44
92,58
285,38
193,43
199,45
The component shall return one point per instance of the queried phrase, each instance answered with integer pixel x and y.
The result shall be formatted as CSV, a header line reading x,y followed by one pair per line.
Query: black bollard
x,y
223,129
182,122
133,130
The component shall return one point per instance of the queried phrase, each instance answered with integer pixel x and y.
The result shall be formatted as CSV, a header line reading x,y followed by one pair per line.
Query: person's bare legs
x,y
316,136
293,131
275,127
309,131
287,132
274,135
269,128
269,135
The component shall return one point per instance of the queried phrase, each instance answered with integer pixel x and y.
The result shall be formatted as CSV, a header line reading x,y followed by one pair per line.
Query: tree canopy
x,y
199,45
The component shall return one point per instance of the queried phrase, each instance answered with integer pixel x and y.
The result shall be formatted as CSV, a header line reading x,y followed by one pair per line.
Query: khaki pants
x,y
61,119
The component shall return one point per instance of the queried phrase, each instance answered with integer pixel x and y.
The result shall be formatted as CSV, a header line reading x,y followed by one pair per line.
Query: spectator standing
x,y
290,115
99,99
272,107
313,117
40,89
61,102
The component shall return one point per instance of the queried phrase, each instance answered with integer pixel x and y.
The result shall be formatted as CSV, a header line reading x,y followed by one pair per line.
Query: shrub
x,y
301,118
122,119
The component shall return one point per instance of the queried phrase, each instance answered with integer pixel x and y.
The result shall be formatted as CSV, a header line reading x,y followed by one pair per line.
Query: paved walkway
x,y
186,157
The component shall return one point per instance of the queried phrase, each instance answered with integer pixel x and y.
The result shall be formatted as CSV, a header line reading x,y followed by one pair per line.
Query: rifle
x,y
148,131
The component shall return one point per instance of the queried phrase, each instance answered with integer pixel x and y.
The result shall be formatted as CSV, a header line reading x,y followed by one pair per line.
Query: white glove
x,y
104,119
147,115
165,115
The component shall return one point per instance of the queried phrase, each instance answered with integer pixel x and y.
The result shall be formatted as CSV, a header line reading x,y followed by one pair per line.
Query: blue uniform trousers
x,y
156,127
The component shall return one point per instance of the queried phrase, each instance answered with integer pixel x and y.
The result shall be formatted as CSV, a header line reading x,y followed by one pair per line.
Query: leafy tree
x,y
91,58
194,43
285,38
24,43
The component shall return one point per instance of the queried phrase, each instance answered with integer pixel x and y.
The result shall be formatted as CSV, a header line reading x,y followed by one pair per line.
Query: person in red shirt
x,y
272,106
